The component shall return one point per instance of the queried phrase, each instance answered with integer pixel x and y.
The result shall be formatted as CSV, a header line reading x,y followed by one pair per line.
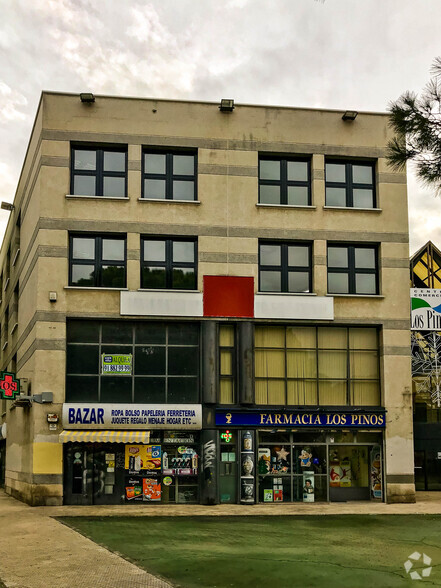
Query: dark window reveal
x,y
284,181
165,362
96,260
99,171
169,175
285,267
350,184
169,263
352,269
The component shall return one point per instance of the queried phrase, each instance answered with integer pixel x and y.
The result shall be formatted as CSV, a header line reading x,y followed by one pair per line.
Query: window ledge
x,y
13,328
353,208
73,196
168,290
169,201
95,288
287,293
5,344
356,295
6,285
305,206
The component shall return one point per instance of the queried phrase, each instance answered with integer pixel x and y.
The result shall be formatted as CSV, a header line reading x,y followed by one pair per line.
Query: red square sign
x,y
229,296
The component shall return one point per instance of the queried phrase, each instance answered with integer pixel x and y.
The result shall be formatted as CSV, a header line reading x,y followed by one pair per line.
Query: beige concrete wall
x,y
228,222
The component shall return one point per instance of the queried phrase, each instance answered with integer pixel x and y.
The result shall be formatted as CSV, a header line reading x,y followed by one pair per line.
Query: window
x,y
169,263
227,364
327,366
98,261
284,181
5,328
352,269
285,267
350,184
99,172
169,175
163,364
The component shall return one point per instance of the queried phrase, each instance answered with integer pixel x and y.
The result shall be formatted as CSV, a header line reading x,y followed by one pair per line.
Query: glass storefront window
x,y
164,364
319,466
332,366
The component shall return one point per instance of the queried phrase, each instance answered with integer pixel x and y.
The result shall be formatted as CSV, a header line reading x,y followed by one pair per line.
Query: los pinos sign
x,y
425,309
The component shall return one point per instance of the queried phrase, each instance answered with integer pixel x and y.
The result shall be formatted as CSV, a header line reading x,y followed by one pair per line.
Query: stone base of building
x,y
400,493
35,494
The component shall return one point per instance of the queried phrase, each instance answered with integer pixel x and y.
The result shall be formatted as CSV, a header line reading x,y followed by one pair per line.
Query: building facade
x,y
206,306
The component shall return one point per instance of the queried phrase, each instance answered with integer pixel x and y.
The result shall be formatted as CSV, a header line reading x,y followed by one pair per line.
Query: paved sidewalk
x,y
40,552
427,503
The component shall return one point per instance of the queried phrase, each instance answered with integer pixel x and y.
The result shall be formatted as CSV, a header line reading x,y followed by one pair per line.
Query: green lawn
x,y
272,551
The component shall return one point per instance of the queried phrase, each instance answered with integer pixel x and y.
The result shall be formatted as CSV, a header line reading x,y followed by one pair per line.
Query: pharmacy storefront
x,y
292,456
122,454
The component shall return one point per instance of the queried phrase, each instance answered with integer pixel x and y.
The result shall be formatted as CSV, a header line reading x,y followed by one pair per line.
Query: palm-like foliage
x,y
416,121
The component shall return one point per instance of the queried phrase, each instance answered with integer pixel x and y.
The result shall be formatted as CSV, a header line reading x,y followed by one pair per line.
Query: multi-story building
x,y
206,305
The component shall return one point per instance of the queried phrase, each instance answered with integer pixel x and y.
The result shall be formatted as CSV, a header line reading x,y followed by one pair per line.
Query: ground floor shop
x,y
288,466
343,460
164,470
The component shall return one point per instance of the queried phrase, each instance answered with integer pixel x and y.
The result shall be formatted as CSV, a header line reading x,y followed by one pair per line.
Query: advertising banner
x,y
142,457
151,490
376,475
425,309
116,365
290,418
132,416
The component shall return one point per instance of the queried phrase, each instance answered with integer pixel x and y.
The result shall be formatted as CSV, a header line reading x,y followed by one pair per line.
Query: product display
x,y
247,467
376,481
308,486
151,490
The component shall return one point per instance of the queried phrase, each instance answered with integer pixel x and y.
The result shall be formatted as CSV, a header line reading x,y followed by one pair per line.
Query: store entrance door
x,y
92,475
228,470
427,470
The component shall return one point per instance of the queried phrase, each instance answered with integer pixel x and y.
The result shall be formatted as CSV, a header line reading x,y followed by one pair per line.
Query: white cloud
x,y
11,101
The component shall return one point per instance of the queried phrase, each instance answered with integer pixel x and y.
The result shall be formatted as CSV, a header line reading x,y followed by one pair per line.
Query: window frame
x,y
233,350
351,270
168,176
283,182
349,185
97,261
98,173
169,264
284,268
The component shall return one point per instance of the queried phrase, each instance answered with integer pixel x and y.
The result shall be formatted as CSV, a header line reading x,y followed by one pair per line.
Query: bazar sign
x,y
132,416
300,419
425,309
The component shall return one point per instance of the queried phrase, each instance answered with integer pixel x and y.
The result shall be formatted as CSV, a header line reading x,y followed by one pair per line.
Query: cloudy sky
x,y
313,53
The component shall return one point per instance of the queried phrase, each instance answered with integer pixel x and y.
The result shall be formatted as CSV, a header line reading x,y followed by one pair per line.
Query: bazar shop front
x,y
280,457
105,465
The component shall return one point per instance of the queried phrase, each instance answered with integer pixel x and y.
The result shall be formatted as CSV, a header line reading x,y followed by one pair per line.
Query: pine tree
x,y
416,121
